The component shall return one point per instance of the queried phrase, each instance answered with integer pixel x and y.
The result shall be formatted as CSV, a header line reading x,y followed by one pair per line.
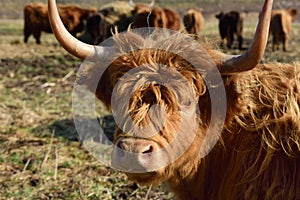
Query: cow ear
x,y
107,11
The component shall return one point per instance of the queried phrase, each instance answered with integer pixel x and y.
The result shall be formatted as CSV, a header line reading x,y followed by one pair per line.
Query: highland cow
x,y
173,19
281,27
193,21
36,19
231,24
257,154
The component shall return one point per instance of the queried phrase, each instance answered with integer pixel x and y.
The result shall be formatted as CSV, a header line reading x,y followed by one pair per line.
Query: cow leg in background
x,y
276,39
285,42
230,38
27,33
37,36
240,38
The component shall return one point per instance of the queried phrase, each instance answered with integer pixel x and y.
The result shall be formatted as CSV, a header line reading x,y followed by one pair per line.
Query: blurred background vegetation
x,y
13,9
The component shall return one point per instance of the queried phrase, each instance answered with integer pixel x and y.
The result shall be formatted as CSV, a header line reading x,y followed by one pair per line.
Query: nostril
x,y
148,149
120,149
120,145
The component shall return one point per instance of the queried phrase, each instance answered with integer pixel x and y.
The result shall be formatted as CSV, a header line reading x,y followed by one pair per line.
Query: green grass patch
x,y
8,27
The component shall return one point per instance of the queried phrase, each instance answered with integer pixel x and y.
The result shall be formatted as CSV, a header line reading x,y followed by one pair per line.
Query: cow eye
x,y
186,104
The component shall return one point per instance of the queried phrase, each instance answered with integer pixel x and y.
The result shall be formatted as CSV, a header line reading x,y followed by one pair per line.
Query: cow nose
x,y
137,155
140,147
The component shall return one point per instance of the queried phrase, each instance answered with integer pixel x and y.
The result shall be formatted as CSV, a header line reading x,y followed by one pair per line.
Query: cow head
x,y
97,26
162,118
293,13
219,16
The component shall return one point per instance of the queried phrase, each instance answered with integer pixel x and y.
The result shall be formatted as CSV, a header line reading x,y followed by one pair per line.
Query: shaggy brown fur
x,y
281,27
36,19
258,154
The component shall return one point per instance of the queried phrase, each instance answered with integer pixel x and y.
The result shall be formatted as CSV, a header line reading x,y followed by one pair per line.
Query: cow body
x,y
230,24
193,21
281,27
257,156
36,19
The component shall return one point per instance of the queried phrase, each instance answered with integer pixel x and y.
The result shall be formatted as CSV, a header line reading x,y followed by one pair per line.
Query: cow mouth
x,y
134,155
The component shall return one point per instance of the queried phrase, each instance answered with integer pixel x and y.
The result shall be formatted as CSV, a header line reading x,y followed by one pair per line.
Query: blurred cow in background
x,y
101,24
281,27
193,21
173,19
146,16
230,24
36,19
121,15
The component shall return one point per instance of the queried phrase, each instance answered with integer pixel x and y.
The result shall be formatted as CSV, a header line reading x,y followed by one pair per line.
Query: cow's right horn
x,y
70,43
255,52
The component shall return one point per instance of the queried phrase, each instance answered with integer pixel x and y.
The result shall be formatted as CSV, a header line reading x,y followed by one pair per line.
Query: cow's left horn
x,y
254,54
152,3
70,43
131,3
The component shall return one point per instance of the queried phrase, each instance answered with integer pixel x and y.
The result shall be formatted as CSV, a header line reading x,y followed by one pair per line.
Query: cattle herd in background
x,y
36,19
97,25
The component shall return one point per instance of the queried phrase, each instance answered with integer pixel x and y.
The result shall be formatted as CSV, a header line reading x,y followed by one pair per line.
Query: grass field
x,y
40,155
